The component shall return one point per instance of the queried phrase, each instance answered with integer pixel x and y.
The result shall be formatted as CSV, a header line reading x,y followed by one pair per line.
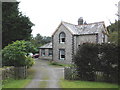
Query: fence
x,y
70,73
14,72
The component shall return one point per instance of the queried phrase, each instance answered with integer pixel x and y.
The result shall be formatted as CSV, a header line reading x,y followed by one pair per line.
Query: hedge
x,y
91,58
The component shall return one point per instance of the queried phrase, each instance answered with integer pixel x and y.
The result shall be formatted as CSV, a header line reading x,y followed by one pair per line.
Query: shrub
x,y
85,60
91,58
15,54
29,61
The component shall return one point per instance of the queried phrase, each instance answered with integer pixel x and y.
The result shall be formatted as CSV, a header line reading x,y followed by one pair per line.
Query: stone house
x,y
67,38
45,51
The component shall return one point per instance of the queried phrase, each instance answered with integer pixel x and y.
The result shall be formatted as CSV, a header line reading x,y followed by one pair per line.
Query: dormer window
x,y
62,37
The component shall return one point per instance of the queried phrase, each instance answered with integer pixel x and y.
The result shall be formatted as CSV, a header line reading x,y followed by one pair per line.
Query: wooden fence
x,y
70,73
14,72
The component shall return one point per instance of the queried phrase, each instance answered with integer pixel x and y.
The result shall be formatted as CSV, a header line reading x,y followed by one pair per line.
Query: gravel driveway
x,y
46,76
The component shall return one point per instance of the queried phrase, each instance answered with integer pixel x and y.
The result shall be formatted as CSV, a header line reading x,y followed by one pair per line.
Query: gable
x,y
61,28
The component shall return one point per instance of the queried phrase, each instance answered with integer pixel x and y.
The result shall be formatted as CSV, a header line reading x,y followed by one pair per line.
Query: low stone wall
x,y
7,73
14,72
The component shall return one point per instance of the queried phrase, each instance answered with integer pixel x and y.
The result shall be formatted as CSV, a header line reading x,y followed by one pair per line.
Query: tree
x,y
16,54
91,58
85,59
40,40
46,39
113,32
15,26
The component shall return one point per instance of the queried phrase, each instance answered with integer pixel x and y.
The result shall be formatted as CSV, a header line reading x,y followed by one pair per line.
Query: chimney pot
x,y
80,21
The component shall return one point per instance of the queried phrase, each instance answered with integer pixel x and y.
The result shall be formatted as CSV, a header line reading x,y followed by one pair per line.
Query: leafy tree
x,y
16,54
85,60
91,58
46,39
15,26
40,40
114,29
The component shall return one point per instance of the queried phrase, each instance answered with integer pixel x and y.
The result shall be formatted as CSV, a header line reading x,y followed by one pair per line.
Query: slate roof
x,y
91,28
46,46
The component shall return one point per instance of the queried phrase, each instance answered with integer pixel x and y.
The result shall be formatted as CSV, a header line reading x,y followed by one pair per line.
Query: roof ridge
x,y
92,23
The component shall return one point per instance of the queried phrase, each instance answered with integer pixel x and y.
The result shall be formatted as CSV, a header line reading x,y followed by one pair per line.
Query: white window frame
x,y
61,37
60,54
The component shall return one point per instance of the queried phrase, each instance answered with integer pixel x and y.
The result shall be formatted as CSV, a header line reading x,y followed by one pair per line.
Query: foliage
x,y
85,64
15,54
40,40
15,26
29,61
114,29
113,37
109,62
91,58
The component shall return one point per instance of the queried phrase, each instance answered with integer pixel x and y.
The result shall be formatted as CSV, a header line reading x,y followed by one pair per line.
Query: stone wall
x,y
67,45
7,73
14,72
46,57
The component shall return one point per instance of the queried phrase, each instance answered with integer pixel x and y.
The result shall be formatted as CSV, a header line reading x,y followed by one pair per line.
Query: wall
x,y
7,73
46,57
67,46
14,72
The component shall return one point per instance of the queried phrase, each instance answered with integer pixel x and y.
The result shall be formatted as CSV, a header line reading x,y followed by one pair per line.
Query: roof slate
x,y
48,45
92,28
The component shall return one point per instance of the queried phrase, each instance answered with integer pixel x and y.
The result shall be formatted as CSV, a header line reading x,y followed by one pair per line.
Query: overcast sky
x,y
47,14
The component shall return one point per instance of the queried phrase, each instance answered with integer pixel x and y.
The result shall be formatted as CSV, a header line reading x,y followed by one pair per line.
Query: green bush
x,y
109,61
15,54
91,58
29,61
85,59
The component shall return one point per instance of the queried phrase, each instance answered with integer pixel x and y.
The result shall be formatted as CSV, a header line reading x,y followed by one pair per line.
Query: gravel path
x,y
46,76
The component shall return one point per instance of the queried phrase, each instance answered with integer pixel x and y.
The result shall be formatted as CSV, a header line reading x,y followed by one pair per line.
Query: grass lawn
x,y
85,84
58,64
12,83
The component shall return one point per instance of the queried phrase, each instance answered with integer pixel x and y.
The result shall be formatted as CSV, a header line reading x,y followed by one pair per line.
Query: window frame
x,y
60,53
50,52
42,53
62,38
